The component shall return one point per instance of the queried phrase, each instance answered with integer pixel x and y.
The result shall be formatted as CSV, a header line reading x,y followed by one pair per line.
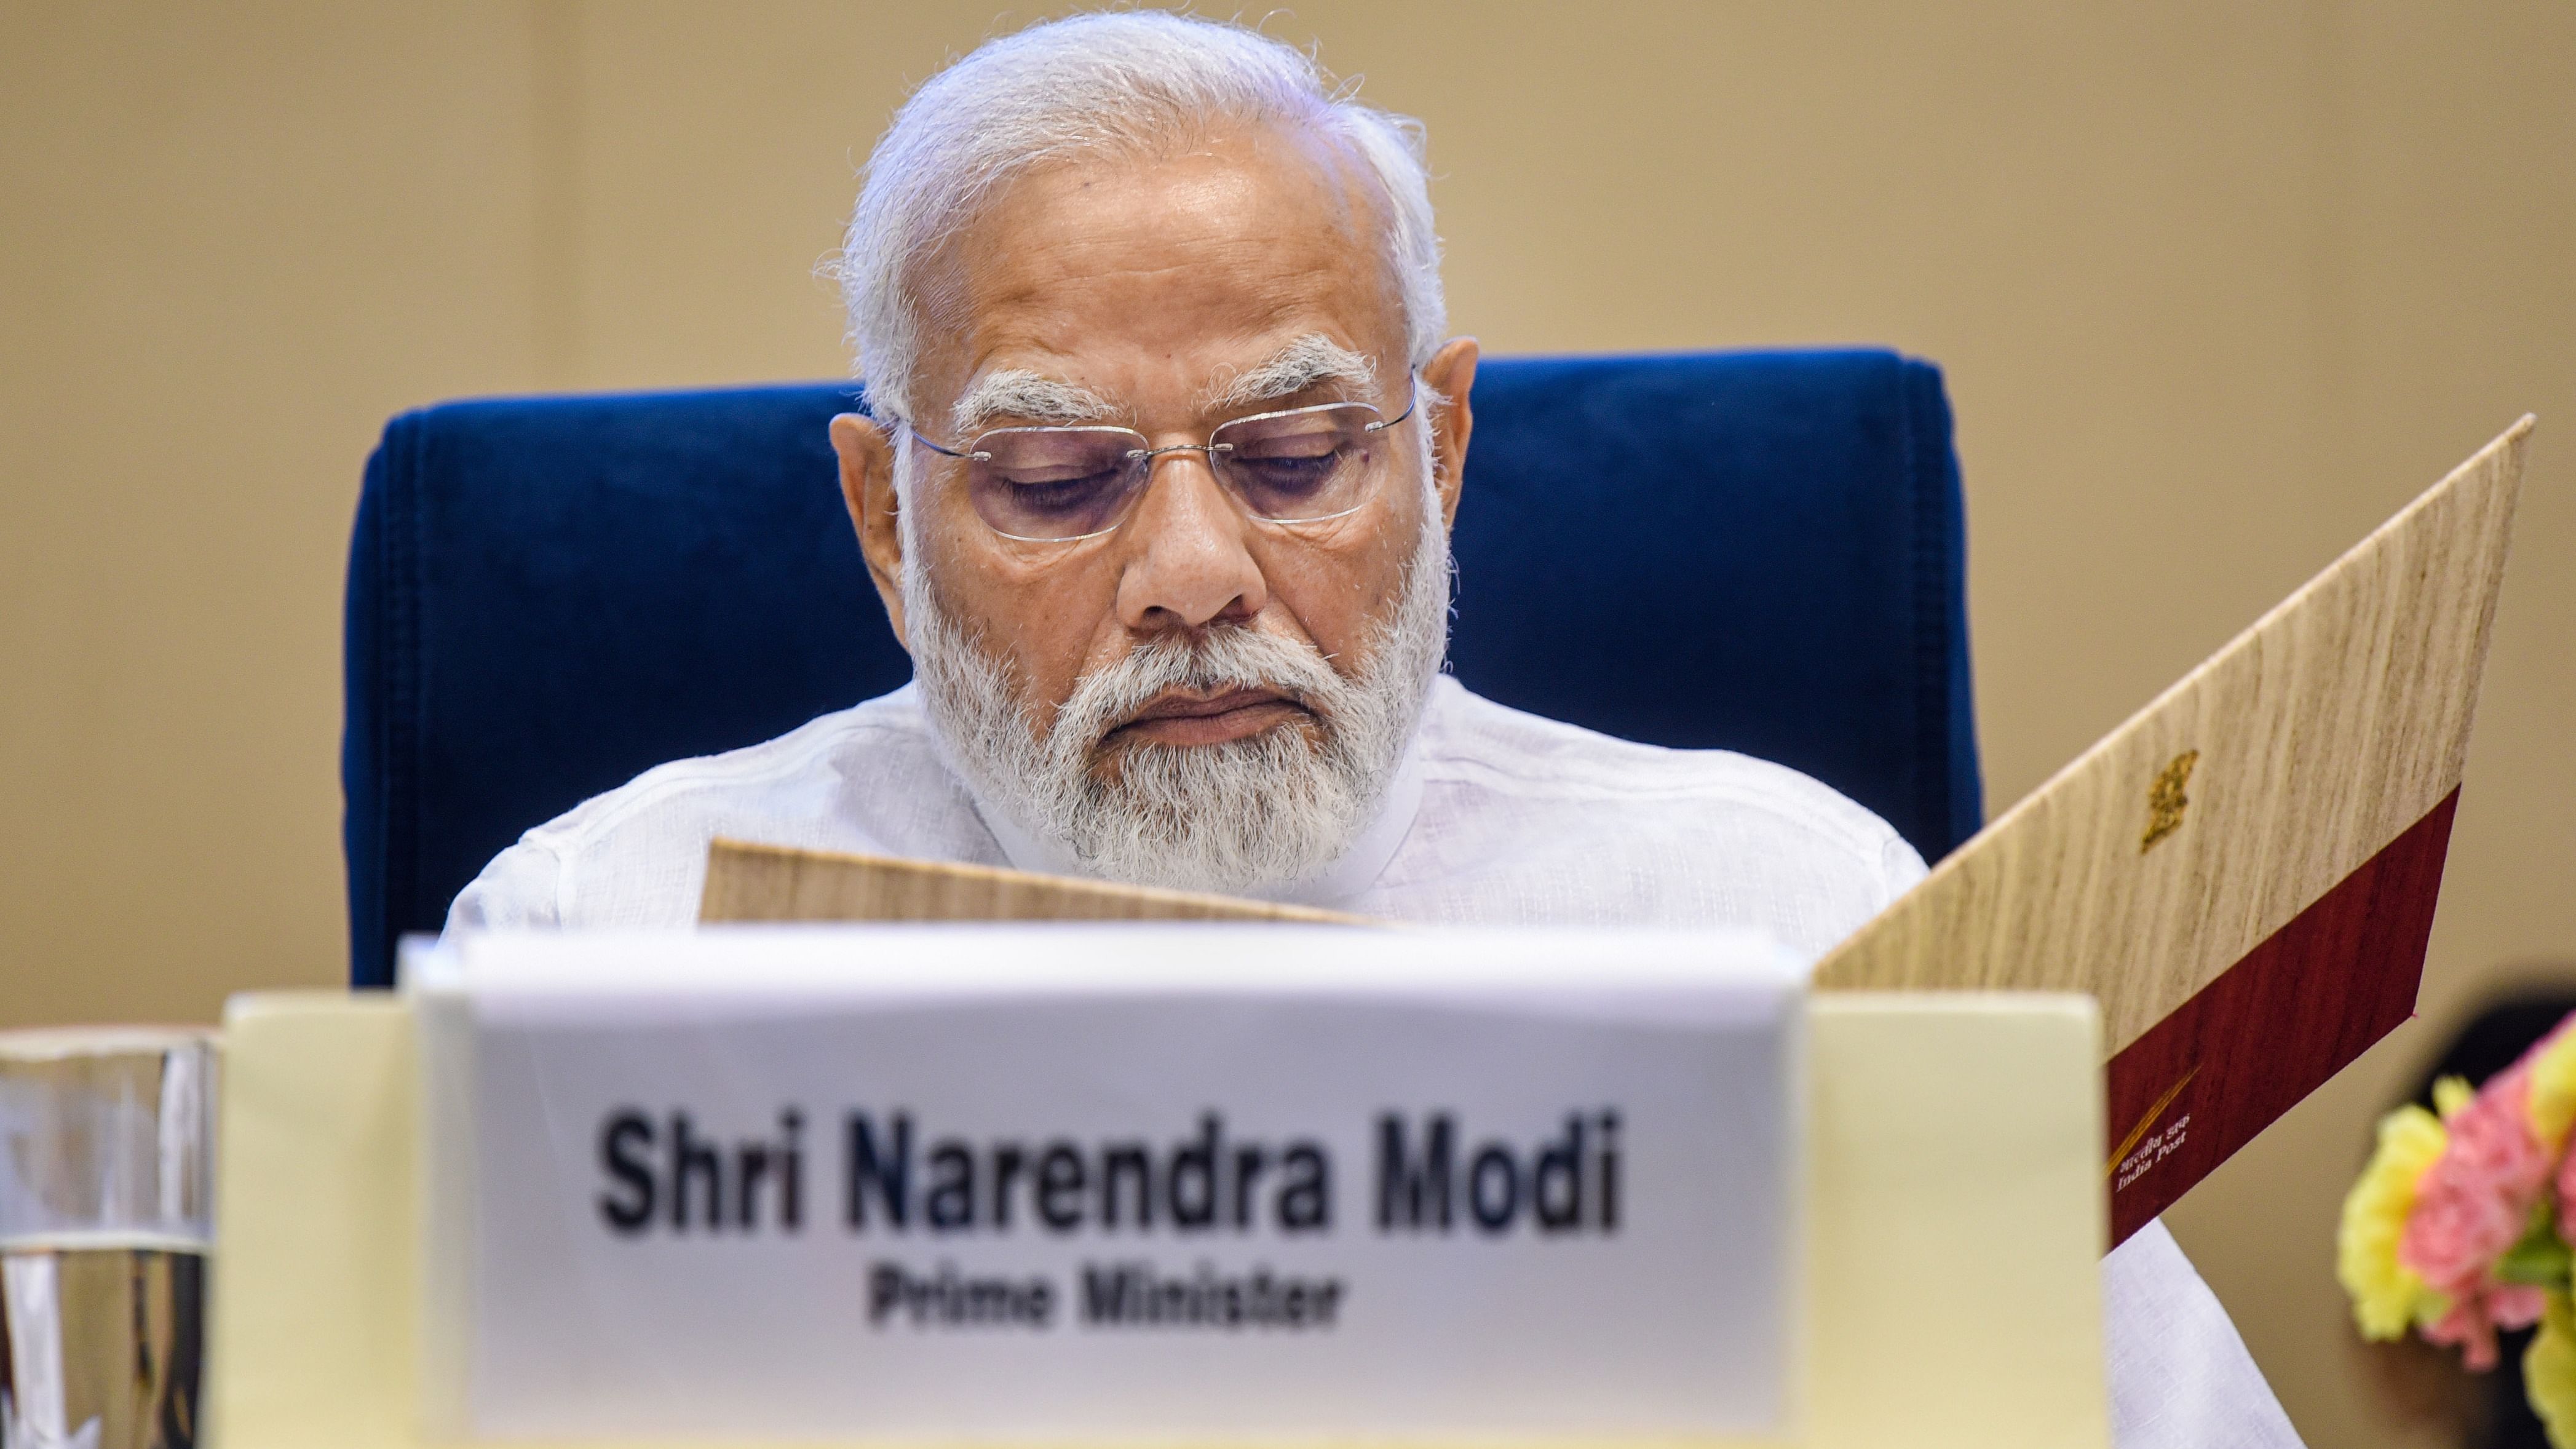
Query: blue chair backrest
x,y
547,596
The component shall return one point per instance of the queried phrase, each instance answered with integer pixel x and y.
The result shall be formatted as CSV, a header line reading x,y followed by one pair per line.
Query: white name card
x,y
1061,1182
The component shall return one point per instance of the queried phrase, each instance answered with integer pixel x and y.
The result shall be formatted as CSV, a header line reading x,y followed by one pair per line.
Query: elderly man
x,y
1167,438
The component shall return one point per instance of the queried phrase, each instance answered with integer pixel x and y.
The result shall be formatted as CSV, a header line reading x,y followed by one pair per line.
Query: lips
x,y
1183,706
1180,718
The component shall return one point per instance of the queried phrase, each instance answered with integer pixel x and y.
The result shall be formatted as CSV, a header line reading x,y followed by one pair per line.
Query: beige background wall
x,y
2217,286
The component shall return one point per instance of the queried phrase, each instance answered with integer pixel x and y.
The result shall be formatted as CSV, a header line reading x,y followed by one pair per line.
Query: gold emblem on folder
x,y
2166,801
2138,1134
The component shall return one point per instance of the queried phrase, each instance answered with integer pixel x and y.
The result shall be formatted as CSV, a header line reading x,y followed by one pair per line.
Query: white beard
x,y
1269,810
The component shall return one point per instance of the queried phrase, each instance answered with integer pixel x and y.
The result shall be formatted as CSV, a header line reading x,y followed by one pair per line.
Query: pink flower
x,y
2473,1319
2474,1203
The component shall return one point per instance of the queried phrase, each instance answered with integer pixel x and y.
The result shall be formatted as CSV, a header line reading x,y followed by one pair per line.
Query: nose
x,y
1188,563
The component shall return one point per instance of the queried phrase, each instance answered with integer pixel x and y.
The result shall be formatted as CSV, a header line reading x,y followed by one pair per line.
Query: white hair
x,y
1310,361
1123,83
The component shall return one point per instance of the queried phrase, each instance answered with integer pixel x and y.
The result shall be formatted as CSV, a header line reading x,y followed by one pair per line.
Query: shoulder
x,y
634,855
1473,741
753,775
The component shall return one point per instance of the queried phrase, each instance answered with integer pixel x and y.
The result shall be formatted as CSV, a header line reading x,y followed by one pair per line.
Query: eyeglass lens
x,y
1061,483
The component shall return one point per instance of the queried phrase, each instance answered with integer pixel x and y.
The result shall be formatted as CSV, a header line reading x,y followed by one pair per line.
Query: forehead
x,y
1137,275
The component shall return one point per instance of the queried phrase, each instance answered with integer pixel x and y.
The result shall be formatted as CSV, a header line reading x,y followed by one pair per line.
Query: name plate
x,y
1058,1182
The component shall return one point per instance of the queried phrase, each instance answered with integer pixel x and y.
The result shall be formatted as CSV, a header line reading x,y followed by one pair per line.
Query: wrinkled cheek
x,y
1030,637
1341,610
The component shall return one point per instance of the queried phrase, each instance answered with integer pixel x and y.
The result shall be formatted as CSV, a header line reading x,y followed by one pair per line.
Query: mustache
x,y
1206,662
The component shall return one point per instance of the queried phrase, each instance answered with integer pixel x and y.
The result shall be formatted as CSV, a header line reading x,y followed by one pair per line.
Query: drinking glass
x,y
106,1219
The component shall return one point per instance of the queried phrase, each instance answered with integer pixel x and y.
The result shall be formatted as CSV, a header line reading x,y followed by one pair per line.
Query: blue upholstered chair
x,y
1760,551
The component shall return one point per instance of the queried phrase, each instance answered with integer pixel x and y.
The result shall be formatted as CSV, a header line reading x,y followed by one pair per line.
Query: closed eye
x,y
1287,475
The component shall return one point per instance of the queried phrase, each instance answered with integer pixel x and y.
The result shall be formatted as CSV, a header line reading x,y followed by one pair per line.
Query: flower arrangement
x,y
2461,1224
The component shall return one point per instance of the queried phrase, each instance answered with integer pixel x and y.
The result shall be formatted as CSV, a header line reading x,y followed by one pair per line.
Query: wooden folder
x,y
2243,874
748,882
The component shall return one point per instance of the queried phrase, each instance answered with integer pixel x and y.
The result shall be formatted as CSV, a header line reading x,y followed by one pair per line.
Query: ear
x,y
867,488
1451,372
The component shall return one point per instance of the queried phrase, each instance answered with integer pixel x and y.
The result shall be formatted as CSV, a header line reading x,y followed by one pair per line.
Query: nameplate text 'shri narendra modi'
x,y
1091,1181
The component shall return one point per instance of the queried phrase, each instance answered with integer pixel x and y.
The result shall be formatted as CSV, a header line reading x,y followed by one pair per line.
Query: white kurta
x,y
1496,818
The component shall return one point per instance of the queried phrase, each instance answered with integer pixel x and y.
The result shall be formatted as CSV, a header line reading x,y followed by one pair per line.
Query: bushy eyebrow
x,y
1310,361
1014,392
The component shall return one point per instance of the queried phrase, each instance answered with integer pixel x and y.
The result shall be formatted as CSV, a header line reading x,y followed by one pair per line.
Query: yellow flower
x,y
2549,1372
2450,1094
2552,1102
2386,1294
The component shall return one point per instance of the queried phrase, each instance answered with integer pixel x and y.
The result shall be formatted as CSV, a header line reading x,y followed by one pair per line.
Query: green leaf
x,y
2540,1259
